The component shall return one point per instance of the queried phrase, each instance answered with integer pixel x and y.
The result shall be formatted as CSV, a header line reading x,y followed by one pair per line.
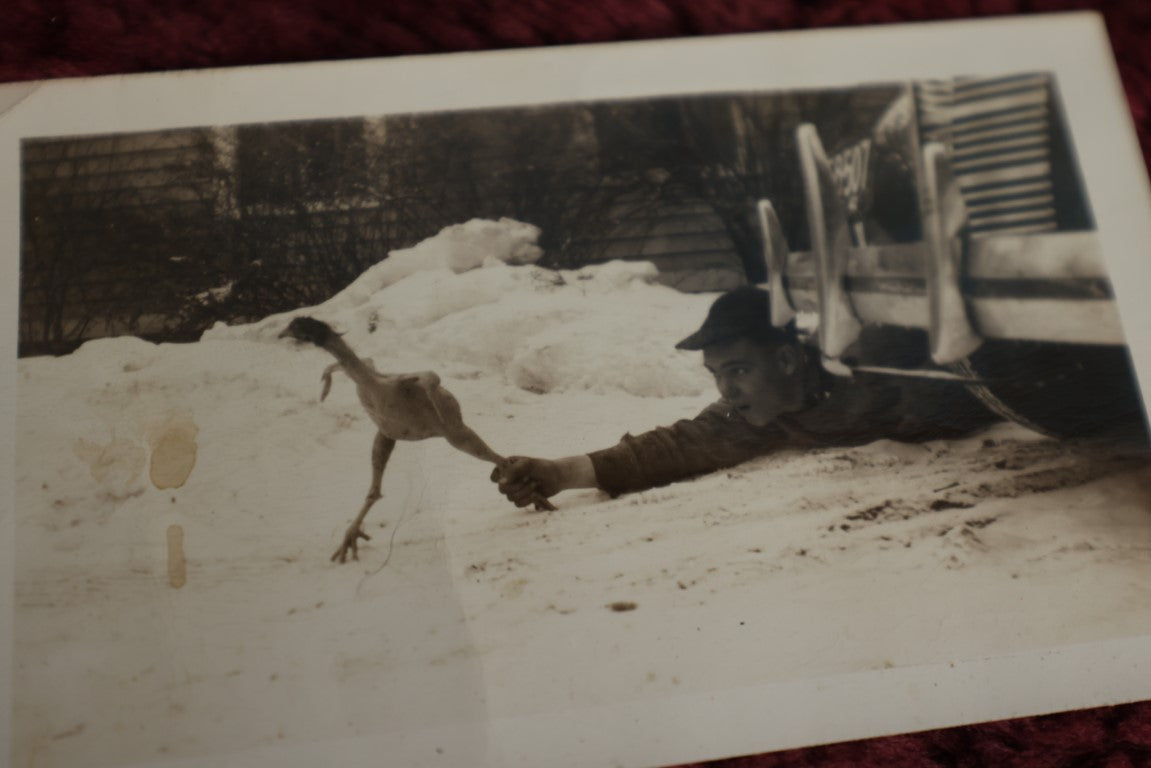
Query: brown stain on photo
x,y
177,564
119,456
513,588
173,451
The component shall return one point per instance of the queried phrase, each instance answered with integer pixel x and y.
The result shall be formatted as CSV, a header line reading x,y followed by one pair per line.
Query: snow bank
x,y
459,248
471,300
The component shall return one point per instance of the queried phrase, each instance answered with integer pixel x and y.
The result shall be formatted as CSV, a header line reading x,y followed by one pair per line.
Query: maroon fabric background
x,y
67,38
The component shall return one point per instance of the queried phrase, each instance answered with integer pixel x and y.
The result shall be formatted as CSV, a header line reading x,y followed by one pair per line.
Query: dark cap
x,y
744,312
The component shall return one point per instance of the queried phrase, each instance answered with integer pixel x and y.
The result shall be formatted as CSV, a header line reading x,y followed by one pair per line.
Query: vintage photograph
x,y
365,430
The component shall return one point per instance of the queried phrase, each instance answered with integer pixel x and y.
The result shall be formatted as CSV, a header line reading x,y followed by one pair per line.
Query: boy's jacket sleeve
x,y
714,440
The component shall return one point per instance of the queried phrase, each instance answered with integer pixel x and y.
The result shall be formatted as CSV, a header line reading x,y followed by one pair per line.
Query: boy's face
x,y
752,379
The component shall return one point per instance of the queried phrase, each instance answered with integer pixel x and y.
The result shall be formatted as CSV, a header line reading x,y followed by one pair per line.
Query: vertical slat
x,y
775,257
830,240
950,333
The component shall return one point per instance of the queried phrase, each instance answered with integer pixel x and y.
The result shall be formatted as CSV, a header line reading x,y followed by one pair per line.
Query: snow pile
x,y
462,247
459,248
470,301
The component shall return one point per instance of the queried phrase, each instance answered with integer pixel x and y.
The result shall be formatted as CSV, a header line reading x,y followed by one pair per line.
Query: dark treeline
x,y
163,234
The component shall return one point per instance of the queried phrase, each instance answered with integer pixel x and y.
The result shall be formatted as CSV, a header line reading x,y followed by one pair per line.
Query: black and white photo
x,y
655,414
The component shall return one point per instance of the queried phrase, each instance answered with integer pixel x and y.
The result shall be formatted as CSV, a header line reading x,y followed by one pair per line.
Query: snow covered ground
x,y
464,609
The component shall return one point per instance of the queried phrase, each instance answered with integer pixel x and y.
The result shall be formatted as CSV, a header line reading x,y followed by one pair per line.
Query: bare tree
x,y
114,229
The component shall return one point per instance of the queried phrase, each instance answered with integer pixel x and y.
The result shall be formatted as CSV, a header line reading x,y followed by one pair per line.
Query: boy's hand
x,y
524,480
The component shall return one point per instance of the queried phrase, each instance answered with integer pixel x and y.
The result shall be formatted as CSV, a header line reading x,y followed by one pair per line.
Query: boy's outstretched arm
x,y
523,478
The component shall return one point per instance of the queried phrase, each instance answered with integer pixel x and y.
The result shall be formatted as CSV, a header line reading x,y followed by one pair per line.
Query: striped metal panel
x,y
997,134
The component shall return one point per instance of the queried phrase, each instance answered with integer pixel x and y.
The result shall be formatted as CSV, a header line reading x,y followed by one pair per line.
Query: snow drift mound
x,y
459,248
471,300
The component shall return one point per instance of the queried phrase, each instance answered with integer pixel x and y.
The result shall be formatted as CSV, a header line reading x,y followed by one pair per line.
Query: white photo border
x,y
1073,47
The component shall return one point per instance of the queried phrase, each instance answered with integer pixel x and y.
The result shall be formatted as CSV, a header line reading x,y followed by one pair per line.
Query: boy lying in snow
x,y
774,394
